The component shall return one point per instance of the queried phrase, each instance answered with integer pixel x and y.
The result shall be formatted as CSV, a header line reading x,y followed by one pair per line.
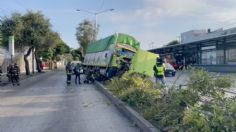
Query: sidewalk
x,y
22,77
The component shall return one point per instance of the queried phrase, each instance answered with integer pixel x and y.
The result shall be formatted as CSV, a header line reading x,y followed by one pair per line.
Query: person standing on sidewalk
x,y
159,71
69,73
15,74
77,70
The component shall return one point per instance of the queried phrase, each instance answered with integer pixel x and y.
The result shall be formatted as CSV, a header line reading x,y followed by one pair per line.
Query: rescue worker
x,y
89,75
8,72
77,70
159,71
68,73
15,73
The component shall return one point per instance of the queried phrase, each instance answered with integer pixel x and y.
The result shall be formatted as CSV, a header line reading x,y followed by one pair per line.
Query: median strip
x,y
132,115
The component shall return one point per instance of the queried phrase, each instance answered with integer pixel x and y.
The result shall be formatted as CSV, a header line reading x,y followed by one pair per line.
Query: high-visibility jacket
x,y
160,70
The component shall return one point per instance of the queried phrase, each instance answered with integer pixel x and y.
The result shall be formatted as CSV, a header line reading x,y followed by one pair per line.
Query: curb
x,y
132,115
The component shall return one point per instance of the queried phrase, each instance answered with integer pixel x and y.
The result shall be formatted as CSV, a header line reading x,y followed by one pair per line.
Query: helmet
x,y
159,60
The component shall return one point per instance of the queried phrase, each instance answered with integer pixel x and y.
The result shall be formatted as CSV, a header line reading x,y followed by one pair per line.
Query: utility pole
x,y
11,47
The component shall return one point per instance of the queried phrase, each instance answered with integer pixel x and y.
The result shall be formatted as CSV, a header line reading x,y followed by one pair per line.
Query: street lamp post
x,y
95,15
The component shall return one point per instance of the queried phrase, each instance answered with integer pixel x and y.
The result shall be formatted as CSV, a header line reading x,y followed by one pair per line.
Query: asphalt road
x,y
45,104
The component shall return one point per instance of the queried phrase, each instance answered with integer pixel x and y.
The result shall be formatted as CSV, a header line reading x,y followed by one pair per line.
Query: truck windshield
x,y
125,53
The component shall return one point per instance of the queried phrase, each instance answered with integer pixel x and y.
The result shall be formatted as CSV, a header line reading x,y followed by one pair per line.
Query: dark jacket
x,y
68,69
76,70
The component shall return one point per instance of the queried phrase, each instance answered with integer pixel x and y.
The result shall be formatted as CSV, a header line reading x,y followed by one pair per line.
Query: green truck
x,y
118,53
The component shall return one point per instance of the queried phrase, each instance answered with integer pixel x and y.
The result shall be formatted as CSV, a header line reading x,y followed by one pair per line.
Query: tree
x,y
85,34
174,42
62,48
36,29
31,30
13,26
76,54
57,48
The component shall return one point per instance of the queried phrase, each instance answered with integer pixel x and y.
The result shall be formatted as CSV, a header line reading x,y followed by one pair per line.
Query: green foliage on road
x,y
219,115
134,89
224,82
200,106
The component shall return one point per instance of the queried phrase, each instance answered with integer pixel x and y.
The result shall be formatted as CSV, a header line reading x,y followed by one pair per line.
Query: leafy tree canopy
x,y
174,42
85,34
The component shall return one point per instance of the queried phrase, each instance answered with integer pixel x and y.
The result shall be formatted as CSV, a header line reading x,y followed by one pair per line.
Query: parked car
x,y
170,70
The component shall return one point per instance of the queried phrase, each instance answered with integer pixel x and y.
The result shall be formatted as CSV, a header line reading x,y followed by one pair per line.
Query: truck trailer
x,y
118,53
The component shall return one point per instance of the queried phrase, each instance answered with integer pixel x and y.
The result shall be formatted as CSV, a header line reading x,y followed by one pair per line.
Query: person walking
x,y
77,70
69,73
159,71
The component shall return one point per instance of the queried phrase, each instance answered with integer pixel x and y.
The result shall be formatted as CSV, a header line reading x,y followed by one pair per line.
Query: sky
x,y
152,22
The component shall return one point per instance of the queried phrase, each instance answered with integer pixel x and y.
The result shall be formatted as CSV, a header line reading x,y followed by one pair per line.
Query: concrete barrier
x,y
132,115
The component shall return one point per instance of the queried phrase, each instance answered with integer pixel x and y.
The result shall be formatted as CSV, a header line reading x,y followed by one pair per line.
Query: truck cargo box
x,y
143,62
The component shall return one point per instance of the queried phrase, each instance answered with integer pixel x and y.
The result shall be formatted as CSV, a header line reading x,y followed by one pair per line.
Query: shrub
x,y
180,109
219,116
224,82
135,89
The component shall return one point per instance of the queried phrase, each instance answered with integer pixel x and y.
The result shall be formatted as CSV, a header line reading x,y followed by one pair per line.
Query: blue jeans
x,y
161,79
77,78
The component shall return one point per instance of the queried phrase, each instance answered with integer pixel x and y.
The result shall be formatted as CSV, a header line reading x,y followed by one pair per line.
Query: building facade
x,y
215,51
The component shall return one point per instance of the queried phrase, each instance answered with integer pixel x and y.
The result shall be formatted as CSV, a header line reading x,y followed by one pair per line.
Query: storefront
x,y
217,54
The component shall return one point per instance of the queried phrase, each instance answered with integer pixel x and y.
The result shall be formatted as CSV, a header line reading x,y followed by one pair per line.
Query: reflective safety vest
x,y
160,70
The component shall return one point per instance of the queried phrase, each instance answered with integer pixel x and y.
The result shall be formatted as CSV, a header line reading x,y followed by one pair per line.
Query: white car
x,y
170,70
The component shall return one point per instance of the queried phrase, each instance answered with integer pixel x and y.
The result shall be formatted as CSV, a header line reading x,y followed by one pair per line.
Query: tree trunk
x,y
38,62
55,64
50,64
27,69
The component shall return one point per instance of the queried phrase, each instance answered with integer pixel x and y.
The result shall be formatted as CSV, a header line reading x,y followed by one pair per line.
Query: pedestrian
x,y
159,71
15,74
77,70
69,72
0,74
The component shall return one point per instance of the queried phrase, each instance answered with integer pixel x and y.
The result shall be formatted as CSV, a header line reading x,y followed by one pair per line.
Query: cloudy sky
x,y
152,22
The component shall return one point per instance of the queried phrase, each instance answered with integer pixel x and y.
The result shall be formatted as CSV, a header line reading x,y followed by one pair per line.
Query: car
x,y
170,70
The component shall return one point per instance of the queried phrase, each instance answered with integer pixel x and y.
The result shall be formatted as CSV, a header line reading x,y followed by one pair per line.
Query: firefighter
x,y
69,72
8,73
15,74
159,71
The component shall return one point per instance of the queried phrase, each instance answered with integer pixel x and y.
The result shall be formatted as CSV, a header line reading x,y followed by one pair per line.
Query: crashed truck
x,y
117,54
